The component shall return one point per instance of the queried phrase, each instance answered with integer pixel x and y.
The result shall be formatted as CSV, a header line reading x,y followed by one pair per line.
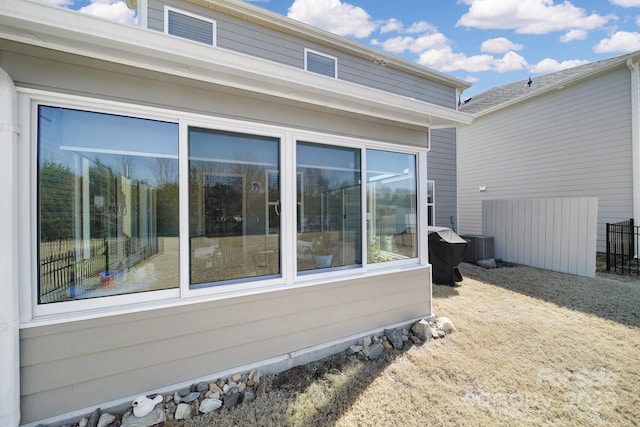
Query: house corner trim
x,y
9,319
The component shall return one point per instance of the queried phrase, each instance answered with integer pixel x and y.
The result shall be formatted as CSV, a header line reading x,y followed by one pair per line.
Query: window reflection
x,y
108,204
391,206
329,207
234,206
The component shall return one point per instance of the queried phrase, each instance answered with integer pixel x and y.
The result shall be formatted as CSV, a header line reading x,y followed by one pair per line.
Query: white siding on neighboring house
x,y
575,141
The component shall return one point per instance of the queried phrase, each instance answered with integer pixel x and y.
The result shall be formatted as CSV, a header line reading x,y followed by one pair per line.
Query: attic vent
x,y
320,63
189,26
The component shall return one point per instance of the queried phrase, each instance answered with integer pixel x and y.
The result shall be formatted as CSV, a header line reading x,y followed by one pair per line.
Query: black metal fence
x,y
622,247
69,269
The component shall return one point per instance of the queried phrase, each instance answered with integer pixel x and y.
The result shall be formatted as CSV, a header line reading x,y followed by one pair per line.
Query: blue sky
x,y
486,42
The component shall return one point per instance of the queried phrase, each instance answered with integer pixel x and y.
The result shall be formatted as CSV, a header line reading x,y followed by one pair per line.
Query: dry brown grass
x,y
532,347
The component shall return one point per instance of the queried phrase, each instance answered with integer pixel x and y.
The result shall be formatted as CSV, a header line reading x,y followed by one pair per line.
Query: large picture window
x,y
234,206
123,219
391,206
329,207
107,204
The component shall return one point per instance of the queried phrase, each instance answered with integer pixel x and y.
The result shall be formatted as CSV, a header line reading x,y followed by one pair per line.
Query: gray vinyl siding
x,y
78,364
74,365
109,81
574,141
441,168
255,40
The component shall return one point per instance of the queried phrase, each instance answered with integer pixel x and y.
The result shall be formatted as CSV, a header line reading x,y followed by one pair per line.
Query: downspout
x,y
635,138
9,323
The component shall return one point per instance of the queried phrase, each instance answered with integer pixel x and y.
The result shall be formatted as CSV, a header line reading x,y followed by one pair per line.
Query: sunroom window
x,y
391,206
234,207
329,221
107,204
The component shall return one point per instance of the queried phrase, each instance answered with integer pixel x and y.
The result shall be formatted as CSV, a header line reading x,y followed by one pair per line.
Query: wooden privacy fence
x,y
557,234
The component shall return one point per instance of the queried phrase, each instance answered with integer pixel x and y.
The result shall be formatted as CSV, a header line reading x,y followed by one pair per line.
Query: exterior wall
x,y
572,142
128,84
76,364
441,168
242,36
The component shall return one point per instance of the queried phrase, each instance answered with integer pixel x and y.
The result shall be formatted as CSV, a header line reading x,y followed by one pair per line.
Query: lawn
x,y
532,347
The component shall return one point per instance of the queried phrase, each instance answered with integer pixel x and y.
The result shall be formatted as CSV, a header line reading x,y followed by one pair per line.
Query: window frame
x,y
307,51
34,314
214,24
431,204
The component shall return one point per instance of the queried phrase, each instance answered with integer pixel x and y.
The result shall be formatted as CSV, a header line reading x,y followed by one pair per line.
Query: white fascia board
x,y
77,33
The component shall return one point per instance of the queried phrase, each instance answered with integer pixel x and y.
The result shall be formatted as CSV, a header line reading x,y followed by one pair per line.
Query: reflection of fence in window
x,y
66,274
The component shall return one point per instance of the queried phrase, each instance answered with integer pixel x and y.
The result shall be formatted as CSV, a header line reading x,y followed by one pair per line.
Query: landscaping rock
x,y
445,325
422,329
209,405
395,337
183,412
93,418
232,400
106,419
190,397
375,351
155,417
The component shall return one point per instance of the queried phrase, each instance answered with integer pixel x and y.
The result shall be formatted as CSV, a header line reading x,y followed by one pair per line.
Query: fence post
x,y
608,248
632,244
106,255
71,273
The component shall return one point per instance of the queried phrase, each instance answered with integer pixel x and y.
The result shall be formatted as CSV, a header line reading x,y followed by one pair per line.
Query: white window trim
x,y
433,201
334,58
33,314
214,23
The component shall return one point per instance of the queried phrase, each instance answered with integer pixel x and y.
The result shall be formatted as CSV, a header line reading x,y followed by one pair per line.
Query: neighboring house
x,y
564,134
167,187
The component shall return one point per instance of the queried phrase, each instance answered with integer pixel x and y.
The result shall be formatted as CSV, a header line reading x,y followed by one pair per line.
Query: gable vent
x,y
321,64
189,26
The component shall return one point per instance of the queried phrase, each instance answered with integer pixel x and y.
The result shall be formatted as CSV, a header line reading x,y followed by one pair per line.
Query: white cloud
x,y
499,45
334,16
392,25
511,61
530,16
572,35
625,3
394,44
446,60
114,10
421,27
549,65
622,41
412,44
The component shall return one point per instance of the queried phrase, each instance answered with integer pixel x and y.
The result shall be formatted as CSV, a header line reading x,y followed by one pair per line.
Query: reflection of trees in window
x,y
56,210
165,172
223,200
